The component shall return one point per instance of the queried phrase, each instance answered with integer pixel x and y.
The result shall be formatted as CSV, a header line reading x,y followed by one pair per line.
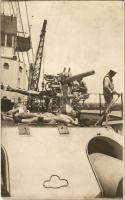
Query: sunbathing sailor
x,y
44,118
18,107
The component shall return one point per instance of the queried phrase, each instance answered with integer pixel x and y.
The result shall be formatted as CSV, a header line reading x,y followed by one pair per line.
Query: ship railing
x,y
96,101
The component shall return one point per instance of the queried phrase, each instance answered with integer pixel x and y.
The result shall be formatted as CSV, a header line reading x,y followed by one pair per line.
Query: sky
x,y
82,35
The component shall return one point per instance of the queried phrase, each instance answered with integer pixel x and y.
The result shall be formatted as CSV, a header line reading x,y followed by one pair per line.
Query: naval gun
x,y
54,89
71,78
79,76
31,93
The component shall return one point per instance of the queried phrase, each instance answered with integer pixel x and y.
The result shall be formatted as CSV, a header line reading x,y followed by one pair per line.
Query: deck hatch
x,y
24,130
63,129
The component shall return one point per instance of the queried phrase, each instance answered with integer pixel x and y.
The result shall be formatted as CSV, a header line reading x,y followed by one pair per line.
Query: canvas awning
x,y
8,24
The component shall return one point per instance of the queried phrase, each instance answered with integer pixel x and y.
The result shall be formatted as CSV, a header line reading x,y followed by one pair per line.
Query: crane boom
x,y
35,69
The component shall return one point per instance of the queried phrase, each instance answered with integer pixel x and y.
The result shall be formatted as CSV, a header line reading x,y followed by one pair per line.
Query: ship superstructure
x,y
13,70
15,51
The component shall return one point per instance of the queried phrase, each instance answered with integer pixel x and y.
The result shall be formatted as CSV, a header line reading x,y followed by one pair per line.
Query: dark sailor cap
x,y
112,72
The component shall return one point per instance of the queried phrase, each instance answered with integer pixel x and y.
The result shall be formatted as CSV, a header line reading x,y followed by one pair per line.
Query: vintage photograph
x,y
62,91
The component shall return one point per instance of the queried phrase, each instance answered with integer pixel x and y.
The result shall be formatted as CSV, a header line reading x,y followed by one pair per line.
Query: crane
x,y
35,69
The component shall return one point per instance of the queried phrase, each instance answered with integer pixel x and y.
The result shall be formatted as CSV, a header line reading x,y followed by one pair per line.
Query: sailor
x,y
75,86
64,86
108,92
82,86
18,107
44,118
108,87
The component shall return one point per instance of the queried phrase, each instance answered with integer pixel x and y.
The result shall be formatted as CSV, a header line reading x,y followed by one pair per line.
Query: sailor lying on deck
x,y
41,118
18,107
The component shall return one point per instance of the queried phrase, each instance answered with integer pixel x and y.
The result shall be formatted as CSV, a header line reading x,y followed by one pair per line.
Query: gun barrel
x,y
22,91
78,76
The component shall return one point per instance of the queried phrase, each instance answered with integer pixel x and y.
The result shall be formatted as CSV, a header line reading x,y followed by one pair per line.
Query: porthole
x,y
20,69
6,66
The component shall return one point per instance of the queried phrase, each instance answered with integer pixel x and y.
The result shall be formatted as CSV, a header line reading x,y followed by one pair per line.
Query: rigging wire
x,y
17,33
12,8
29,29
23,30
9,7
13,12
3,28
17,9
3,7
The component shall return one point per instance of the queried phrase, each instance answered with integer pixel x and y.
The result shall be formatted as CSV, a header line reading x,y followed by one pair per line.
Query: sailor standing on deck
x,y
108,87
82,86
